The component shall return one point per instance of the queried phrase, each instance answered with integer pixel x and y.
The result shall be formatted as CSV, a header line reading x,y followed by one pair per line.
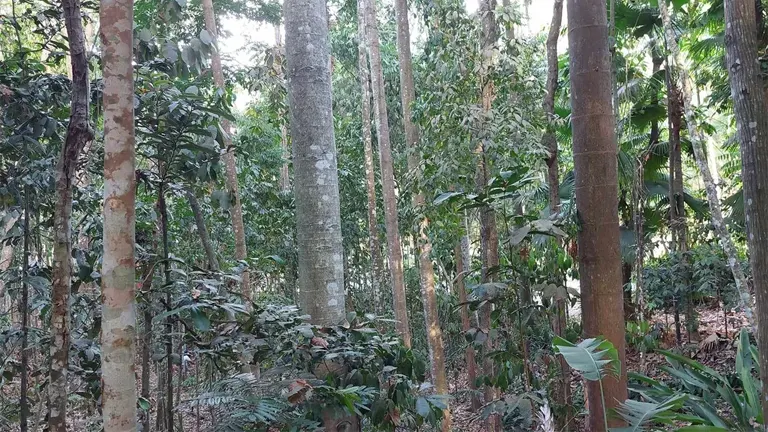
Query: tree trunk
x,y
162,211
118,328
202,230
395,252
321,272
285,172
78,133
426,267
146,340
316,184
751,111
230,163
6,255
377,265
697,141
489,237
463,266
24,309
594,152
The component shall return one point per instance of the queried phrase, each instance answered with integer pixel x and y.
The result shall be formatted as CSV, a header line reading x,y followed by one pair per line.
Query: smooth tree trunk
x,y
595,151
118,275
162,211
426,267
316,184
146,341
377,264
463,266
24,309
697,141
202,231
549,140
285,172
751,109
230,162
394,248
78,134
6,256
489,236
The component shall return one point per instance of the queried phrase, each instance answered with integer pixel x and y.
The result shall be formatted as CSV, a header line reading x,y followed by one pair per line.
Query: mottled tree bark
x,y
230,163
394,248
6,254
594,152
78,133
118,326
316,184
697,142
426,267
202,231
489,236
377,264
751,109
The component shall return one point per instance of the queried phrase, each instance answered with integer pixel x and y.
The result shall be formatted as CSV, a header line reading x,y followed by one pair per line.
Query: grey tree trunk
x,y
230,163
6,256
118,325
78,134
377,265
594,153
697,142
321,272
426,267
202,231
394,248
751,110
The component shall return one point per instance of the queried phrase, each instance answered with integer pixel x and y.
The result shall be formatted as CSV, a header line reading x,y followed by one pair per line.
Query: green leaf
x,y
422,407
200,320
143,404
205,37
639,414
591,357
702,428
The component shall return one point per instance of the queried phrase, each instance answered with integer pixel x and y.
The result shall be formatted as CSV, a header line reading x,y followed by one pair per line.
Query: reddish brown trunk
x,y
461,257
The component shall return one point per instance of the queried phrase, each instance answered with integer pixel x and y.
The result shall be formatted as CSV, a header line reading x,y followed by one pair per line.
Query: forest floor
x,y
713,345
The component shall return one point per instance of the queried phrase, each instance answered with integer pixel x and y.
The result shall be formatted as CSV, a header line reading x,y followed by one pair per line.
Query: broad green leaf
x,y
591,357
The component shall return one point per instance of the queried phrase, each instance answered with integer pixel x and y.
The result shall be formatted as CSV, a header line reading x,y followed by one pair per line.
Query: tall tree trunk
x,y
549,140
377,265
285,172
394,248
202,230
6,254
316,184
230,163
162,210
78,133
751,111
146,340
463,266
426,267
24,384
118,325
594,152
321,272
489,237
697,141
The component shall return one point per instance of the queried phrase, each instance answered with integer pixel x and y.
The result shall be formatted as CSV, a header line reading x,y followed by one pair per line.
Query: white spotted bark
x,y
118,330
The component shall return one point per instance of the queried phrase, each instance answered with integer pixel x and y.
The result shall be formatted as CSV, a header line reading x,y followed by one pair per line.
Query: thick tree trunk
x,y
316,184
394,248
321,272
751,111
118,328
697,141
594,152
377,265
78,133
489,237
463,265
202,230
426,267
230,163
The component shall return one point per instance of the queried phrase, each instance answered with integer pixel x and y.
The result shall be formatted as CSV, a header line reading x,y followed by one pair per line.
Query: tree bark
x,y
230,163
595,150
285,172
377,264
697,141
146,340
24,309
162,211
202,230
489,237
78,133
6,254
426,267
751,111
394,247
463,265
316,184
118,270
